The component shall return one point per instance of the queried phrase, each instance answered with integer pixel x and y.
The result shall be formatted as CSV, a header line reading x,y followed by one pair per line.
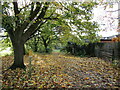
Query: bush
x,y
79,50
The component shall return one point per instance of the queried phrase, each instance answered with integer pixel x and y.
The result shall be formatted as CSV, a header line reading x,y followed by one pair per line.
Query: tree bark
x,y
35,45
18,56
45,45
46,49
24,51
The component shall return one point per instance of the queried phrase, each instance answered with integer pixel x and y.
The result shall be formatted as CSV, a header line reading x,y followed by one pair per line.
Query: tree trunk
x,y
35,47
46,49
24,51
18,56
45,45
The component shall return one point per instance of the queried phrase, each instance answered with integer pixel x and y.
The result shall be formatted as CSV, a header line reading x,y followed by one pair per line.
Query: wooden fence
x,y
107,50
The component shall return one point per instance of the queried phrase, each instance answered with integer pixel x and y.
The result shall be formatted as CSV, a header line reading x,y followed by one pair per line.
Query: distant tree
x,y
44,36
47,35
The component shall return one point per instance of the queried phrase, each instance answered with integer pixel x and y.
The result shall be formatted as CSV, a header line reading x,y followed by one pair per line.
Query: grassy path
x,y
57,70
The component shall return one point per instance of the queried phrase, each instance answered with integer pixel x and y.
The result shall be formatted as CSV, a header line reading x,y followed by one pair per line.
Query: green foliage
x,y
43,39
70,16
77,18
8,22
7,19
73,24
4,45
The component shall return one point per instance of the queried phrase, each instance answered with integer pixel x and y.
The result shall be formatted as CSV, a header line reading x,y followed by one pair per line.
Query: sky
x,y
108,20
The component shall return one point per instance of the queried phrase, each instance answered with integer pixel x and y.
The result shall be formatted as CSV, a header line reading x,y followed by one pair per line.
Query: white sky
x,y
107,20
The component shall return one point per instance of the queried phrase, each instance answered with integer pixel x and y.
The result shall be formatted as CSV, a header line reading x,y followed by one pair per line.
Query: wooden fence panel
x,y
108,50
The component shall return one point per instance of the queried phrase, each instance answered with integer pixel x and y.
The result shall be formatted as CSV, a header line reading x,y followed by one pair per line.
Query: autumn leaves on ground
x,y
60,71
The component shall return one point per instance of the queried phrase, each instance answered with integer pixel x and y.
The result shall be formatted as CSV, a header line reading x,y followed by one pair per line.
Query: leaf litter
x,y
60,71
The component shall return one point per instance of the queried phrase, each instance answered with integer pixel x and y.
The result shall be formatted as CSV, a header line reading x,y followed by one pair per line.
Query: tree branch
x,y
16,11
33,28
32,7
49,18
43,38
114,10
37,29
43,11
34,13
64,6
25,6
3,36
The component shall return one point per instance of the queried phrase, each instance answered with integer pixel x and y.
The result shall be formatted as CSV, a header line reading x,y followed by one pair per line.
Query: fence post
x,y
113,55
119,50
30,67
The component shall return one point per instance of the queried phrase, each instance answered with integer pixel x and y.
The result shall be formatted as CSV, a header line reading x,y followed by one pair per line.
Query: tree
x,y
23,21
24,26
44,36
47,35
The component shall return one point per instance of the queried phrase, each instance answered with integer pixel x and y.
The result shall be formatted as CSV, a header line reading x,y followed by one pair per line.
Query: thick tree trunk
x,y
18,56
24,52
